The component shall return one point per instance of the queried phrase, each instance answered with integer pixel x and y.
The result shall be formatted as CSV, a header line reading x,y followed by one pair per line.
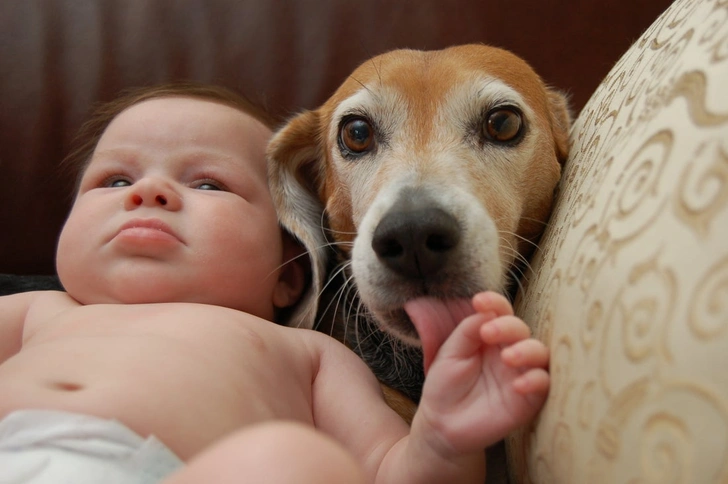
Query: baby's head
x,y
172,205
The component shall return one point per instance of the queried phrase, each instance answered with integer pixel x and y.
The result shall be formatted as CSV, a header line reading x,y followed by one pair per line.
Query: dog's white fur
x,y
426,110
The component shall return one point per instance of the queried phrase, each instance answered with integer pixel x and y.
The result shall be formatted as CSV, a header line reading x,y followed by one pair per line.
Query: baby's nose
x,y
153,193
137,199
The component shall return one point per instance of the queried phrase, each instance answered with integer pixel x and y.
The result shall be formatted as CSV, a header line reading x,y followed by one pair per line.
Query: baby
x,y
161,364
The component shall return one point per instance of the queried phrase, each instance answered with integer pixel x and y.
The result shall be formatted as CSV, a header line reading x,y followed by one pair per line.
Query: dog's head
x,y
432,173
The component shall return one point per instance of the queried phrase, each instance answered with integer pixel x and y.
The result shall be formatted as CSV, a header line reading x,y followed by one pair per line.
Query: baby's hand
x,y
488,378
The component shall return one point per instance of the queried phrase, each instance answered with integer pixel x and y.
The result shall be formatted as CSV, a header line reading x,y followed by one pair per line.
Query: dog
x,y
427,174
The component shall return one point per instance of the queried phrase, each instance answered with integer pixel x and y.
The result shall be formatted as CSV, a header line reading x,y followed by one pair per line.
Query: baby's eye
x,y
209,185
117,183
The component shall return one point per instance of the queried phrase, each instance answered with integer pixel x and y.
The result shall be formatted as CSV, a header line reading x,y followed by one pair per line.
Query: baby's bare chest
x,y
178,338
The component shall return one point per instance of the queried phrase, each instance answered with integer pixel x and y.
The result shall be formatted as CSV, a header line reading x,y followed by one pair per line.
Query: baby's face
x,y
174,206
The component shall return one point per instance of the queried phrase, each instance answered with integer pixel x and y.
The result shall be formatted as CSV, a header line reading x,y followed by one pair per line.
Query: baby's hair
x,y
91,131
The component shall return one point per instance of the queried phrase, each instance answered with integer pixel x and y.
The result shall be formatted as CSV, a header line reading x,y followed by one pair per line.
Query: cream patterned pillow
x,y
630,286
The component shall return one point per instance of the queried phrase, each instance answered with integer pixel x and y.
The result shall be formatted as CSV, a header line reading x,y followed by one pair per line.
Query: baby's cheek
x,y
76,255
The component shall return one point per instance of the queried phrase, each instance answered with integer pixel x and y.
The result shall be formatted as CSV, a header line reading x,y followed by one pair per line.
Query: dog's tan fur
x,y
426,110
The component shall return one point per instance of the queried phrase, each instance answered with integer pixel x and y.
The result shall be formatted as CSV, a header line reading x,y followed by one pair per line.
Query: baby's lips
x,y
435,319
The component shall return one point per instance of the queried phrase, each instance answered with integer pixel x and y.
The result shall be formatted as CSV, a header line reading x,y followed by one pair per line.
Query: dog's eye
x,y
356,135
502,125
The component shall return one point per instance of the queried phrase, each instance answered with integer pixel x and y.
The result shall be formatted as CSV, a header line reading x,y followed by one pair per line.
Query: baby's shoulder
x,y
53,301
332,354
31,301
44,305
316,339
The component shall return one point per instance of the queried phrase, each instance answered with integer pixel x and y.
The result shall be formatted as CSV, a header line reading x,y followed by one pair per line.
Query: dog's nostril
x,y
441,242
416,243
387,247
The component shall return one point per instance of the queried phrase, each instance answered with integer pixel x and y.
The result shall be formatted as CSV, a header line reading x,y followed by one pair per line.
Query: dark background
x,y
59,57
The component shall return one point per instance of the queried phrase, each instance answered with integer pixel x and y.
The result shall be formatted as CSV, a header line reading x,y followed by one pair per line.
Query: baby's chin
x,y
115,291
153,290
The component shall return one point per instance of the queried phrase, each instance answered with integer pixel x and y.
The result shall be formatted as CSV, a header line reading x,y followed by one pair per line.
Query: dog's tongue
x,y
434,320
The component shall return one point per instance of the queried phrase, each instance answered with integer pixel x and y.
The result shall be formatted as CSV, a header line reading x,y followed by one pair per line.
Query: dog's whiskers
x,y
323,223
283,264
520,237
361,341
338,295
518,259
517,271
516,279
510,249
337,245
521,264
354,311
340,232
398,356
545,223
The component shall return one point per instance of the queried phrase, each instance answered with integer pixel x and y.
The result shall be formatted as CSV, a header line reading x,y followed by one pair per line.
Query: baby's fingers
x,y
534,382
505,330
529,353
492,302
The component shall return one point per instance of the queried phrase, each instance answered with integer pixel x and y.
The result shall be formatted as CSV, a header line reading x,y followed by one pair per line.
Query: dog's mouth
x,y
431,306
398,322
420,317
428,322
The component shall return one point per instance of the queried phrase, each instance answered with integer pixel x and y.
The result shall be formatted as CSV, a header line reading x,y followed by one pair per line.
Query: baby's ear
x,y
294,273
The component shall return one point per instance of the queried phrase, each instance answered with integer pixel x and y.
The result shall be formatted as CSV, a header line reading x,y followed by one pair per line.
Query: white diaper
x,y
51,447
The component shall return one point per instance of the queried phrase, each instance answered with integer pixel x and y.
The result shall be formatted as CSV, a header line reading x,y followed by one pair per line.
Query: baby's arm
x,y
488,378
13,311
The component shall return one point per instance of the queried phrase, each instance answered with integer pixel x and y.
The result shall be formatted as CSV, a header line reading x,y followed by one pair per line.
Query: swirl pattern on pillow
x,y
630,285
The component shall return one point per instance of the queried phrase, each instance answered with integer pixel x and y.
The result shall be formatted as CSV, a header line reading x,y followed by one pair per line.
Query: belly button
x,y
66,386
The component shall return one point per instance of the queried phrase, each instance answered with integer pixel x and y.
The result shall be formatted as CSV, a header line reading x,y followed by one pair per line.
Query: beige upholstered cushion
x,y
630,286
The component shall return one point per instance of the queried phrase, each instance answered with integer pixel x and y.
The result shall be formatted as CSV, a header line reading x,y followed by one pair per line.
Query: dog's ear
x,y
560,122
295,170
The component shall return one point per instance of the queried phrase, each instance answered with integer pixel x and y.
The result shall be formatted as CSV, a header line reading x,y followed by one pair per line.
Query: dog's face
x,y
431,172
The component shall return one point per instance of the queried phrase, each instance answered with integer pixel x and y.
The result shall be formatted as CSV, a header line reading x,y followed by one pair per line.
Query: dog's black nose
x,y
415,242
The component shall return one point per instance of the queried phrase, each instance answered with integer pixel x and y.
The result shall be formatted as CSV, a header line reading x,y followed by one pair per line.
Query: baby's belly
x,y
187,393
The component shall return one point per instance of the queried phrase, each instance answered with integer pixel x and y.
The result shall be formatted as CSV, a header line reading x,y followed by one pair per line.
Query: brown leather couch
x,y
59,57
